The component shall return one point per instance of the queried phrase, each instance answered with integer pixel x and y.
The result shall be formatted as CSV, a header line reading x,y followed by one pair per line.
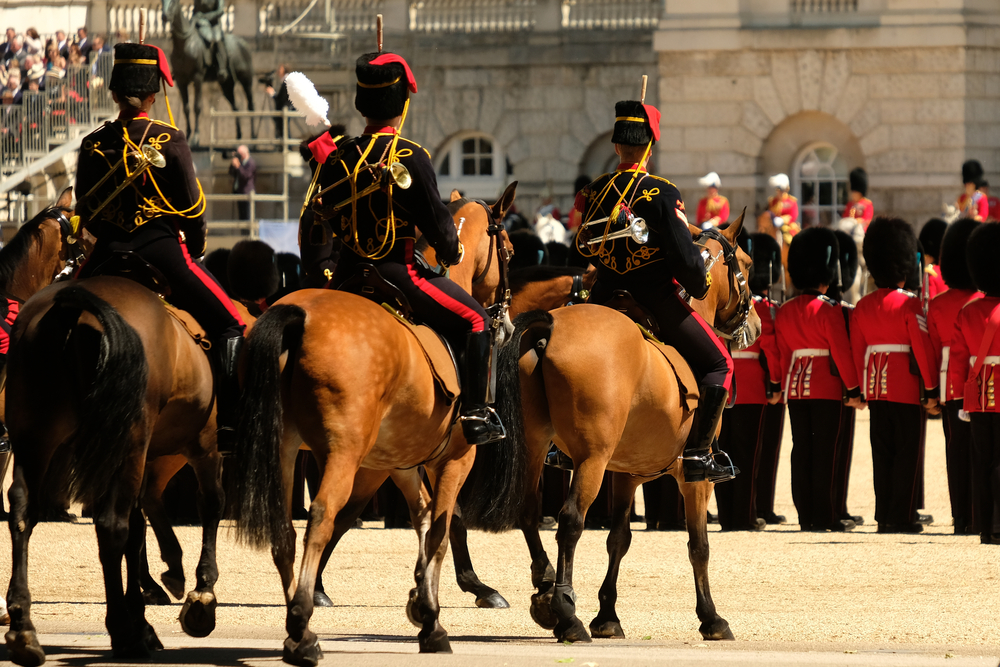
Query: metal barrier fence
x,y
472,15
611,14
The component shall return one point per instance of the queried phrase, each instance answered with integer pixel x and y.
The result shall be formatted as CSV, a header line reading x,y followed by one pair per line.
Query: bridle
x,y
735,328
501,298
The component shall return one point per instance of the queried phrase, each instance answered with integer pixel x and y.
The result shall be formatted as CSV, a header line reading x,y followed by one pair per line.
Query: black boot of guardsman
x,y
480,422
227,391
699,459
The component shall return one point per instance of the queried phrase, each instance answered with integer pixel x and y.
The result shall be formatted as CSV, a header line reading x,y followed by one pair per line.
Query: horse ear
x,y
503,204
733,230
65,199
455,195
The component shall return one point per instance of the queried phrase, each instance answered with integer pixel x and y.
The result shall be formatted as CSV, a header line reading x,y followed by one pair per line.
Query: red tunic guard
x,y
813,341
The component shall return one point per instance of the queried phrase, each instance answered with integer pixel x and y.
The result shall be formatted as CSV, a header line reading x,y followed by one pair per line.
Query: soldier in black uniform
x,y
160,215
379,225
649,270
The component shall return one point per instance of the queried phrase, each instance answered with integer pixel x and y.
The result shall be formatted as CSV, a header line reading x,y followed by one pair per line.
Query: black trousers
x,y
664,504
815,432
192,287
842,463
896,432
770,451
741,438
958,455
986,472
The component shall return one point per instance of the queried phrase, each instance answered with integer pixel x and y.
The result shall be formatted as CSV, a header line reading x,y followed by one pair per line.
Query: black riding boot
x,y
226,353
480,422
699,454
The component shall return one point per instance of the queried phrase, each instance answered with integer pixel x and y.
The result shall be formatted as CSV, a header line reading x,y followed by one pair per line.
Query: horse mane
x,y
520,278
455,206
15,252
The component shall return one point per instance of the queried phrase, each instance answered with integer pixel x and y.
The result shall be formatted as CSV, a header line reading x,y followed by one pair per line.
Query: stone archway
x,y
787,140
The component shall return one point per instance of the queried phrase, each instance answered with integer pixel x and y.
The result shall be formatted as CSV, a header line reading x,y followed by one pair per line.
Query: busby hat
x,y
954,267
813,257
930,237
981,256
972,172
849,259
385,82
138,69
859,181
765,252
890,251
253,271
636,124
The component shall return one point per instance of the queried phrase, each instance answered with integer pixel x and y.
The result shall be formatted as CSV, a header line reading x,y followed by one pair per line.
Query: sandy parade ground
x,y
791,597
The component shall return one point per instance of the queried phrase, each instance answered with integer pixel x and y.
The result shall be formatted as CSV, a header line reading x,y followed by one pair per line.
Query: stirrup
x,y
490,421
702,467
557,459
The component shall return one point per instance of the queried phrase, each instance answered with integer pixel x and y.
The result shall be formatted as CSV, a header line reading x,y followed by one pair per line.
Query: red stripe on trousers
x,y
211,285
457,307
715,339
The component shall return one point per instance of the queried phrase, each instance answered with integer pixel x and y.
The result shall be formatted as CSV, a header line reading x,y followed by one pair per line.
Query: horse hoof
x,y
541,610
572,631
717,630
606,630
155,597
23,648
492,601
435,642
411,610
321,599
149,638
303,653
198,614
175,585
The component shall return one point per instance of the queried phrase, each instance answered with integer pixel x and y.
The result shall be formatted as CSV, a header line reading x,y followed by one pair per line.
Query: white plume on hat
x,y
304,98
779,182
710,180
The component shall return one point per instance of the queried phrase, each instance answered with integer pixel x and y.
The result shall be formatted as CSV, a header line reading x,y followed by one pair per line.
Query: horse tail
x,y
499,480
114,403
258,498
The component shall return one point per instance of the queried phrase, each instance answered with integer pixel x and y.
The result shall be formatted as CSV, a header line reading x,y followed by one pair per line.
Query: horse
x,y
632,422
186,63
136,386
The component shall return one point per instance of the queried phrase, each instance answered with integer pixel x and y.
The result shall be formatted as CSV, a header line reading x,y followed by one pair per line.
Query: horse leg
x,y
247,82
196,137
229,92
22,642
586,483
607,624
158,473
468,581
543,575
198,614
187,110
135,562
418,501
284,557
696,496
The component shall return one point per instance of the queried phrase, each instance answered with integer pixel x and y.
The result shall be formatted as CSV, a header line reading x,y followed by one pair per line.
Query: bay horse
x,y
187,66
585,378
335,371
136,386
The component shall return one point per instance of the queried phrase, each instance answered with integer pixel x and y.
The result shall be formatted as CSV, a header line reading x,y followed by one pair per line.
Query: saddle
x,y
625,303
369,283
127,264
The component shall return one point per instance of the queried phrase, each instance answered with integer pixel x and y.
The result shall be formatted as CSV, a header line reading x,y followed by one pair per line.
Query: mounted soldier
x,y
379,192
137,193
713,208
652,258
205,18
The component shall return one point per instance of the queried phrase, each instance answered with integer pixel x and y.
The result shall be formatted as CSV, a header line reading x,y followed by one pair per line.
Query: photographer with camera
x,y
279,96
243,169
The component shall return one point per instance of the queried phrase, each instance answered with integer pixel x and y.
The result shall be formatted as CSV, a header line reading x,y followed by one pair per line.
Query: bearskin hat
x,y
764,252
981,254
813,257
631,124
253,271
138,69
217,262
972,172
849,260
954,268
930,237
890,251
859,181
382,89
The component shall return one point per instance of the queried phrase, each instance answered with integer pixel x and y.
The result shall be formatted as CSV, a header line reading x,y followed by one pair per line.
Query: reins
x,y
502,297
734,328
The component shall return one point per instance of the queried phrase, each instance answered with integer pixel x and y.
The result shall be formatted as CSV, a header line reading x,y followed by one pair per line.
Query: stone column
x,y
245,18
97,18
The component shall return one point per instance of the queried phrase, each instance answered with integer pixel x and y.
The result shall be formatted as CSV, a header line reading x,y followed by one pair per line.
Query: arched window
x,y
819,180
473,164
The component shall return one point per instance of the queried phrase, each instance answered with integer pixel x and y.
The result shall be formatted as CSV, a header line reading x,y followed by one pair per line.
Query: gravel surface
x,y
782,589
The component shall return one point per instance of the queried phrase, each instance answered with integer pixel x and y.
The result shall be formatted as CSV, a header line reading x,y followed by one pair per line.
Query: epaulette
x,y
908,293
165,124
827,300
660,178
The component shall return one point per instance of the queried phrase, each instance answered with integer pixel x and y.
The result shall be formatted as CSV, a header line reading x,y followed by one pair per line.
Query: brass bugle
x,y
637,230
148,157
397,173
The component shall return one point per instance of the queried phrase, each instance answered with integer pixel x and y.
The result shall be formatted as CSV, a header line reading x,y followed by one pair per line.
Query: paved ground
x,y
791,597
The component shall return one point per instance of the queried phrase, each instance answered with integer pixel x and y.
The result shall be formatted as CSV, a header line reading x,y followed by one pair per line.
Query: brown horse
x,y
609,399
357,389
136,386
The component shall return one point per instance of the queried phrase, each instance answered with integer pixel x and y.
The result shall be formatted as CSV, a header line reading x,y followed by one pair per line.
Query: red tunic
x,y
862,210
887,328
941,317
751,383
812,333
8,322
713,207
975,206
935,283
993,203
969,329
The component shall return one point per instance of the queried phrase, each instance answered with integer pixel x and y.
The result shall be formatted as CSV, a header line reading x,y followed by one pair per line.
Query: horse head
x,y
485,241
39,250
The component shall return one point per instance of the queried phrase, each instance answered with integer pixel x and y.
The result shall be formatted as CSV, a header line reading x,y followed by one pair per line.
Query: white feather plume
x,y
304,98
